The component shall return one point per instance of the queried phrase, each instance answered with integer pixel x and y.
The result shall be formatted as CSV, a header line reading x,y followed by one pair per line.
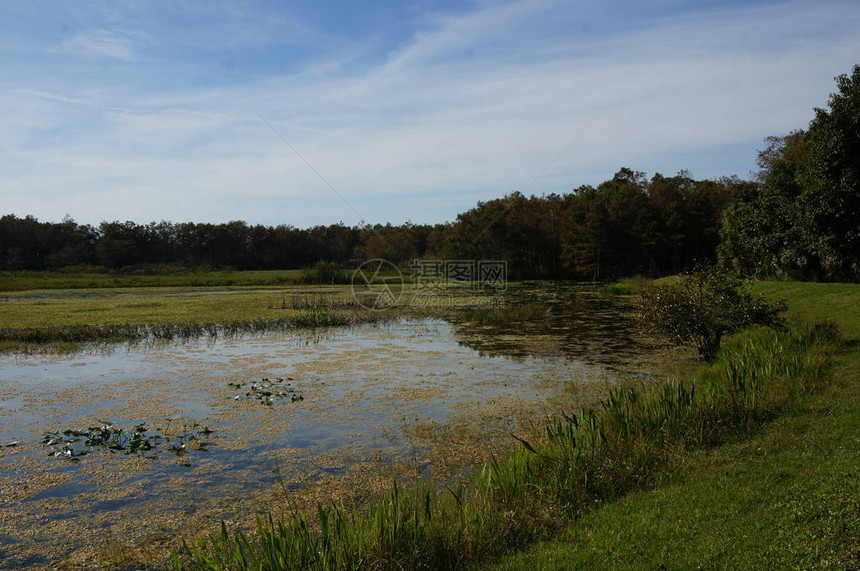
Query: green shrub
x,y
702,307
324,273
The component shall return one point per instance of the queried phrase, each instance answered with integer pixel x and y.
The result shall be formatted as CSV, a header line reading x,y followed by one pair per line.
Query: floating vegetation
x,y
269,391
73,444
506,314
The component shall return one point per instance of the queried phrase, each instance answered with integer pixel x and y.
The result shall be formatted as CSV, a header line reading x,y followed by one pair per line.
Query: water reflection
x,y
581,324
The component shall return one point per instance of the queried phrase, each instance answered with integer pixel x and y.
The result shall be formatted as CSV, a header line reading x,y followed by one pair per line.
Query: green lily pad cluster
x,y
268,391
73,444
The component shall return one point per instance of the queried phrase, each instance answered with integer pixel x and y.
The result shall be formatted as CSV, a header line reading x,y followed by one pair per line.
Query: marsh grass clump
x,y
323,272
627,286
317,302
634,439
16,337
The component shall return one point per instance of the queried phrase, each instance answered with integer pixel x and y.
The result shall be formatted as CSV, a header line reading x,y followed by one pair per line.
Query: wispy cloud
x,y
51,96
104,43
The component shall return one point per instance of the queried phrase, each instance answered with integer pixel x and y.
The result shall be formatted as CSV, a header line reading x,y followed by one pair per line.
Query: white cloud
x,y
116,44
473,108
52,96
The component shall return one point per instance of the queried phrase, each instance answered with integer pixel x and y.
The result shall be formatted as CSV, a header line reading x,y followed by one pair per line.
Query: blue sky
x,y
143,110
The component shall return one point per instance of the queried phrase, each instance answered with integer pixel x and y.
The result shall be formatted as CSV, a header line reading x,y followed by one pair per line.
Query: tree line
x,y
27,243
623,226
799,217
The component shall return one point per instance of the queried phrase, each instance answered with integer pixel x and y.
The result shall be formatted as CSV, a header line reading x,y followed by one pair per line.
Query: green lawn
x,y
785,497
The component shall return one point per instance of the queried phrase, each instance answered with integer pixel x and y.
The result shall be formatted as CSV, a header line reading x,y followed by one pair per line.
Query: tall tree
x,y
763,231
831,181
803,219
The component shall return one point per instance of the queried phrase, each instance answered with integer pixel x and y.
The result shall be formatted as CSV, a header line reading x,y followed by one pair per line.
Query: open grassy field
x,y
48,320
148,305
786,496
109,307
173,277
27,280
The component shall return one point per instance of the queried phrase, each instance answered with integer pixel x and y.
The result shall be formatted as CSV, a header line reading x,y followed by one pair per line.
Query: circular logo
x,y
377,284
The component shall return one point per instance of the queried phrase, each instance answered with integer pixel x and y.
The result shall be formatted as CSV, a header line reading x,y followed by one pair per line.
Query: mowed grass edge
x,y
786,496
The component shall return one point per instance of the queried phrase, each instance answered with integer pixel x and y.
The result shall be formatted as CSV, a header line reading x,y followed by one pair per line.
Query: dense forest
x,y
799,217
624,226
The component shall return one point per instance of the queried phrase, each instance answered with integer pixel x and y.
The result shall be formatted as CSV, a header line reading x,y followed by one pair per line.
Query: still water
x,y
345,404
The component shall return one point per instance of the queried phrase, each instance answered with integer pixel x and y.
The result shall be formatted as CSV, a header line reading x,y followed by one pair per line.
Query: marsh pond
x,y
124,448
